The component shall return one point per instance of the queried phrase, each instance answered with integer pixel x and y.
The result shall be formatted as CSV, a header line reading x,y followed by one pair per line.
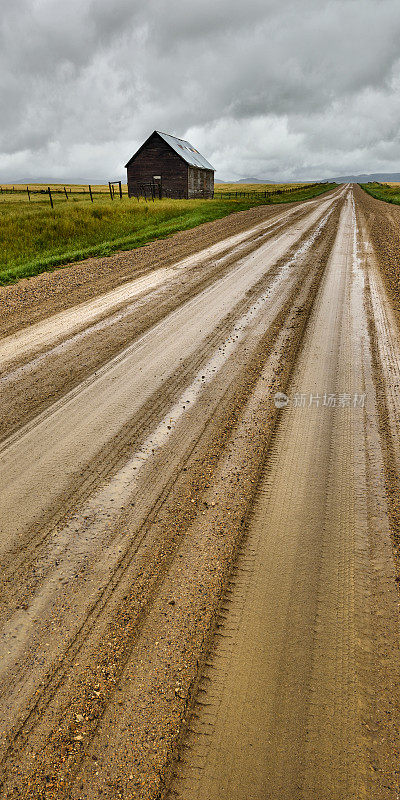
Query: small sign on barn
x,y
169,167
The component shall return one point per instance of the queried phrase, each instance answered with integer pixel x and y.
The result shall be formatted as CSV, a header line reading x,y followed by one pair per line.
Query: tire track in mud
x,y
104,309
294,318
81,282
115,446
299,696
29,387
385,346
75,402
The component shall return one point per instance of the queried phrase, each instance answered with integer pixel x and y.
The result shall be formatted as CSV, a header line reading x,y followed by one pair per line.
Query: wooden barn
x,y
166,166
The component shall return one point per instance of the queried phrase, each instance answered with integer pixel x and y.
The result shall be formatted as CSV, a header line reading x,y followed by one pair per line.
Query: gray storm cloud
x,y
304,88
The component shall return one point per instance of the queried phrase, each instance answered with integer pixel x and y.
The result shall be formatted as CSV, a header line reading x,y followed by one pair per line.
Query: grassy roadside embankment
x,y
390,193
383,225
35,238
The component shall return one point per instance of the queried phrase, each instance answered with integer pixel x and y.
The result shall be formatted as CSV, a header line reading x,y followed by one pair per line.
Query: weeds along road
x,y
198,588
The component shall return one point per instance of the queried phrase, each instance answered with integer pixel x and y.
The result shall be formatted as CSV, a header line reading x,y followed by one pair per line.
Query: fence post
x,y
66,193
109,186
90,192
29,194
120,190
50,197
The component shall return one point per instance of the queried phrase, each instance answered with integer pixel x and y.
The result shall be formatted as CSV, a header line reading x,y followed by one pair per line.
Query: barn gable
x,y
184,149
171,167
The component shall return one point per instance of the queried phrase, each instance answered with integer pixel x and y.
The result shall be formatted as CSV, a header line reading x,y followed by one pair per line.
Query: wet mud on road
x,y
198,595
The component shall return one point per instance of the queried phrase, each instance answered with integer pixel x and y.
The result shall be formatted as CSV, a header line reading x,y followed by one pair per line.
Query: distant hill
x,y
379,177
264,181
254,180
243,180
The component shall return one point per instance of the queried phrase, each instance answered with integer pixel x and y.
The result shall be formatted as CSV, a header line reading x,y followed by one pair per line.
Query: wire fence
x,y
263,194
150,191
52,193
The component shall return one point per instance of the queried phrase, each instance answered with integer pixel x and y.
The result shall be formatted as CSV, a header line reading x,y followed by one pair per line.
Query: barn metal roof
x,y
186,151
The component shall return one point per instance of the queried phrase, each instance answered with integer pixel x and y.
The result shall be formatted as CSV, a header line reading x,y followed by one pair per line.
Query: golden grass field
x,y
256,187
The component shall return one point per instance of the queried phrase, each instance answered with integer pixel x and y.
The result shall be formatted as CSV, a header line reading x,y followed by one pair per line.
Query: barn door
x,y
157,181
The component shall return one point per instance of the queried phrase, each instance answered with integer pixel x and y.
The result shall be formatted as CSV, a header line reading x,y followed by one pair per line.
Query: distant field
x,y
271,188
389,192
35,238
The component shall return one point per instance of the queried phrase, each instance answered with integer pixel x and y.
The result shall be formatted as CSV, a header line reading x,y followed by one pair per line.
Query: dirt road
x,y
199,593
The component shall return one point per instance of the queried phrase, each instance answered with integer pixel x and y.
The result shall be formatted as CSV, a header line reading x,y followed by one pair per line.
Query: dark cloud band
x,y
302,88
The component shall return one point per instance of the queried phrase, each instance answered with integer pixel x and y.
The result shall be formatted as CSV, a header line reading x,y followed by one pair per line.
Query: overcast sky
x,y
266,88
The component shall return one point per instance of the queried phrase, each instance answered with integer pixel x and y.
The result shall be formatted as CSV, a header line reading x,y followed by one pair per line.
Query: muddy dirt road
x,y
199,521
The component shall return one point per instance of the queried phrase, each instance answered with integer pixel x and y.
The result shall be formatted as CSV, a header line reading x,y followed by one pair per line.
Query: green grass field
x,y
35,238
390,192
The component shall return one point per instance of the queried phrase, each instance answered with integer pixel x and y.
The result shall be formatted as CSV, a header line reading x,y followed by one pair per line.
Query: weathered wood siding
x,y
201,182
157,158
